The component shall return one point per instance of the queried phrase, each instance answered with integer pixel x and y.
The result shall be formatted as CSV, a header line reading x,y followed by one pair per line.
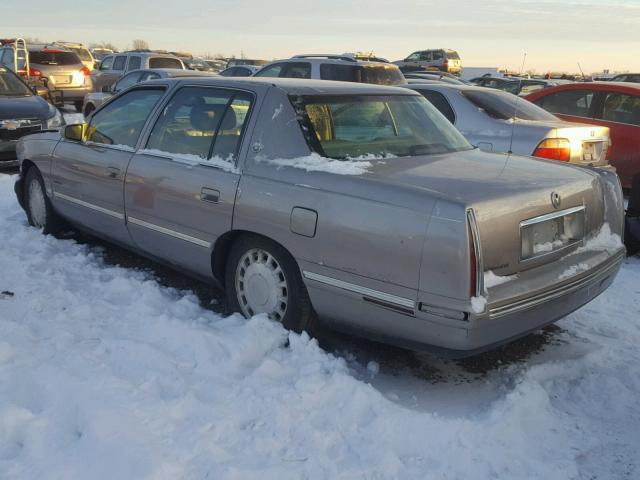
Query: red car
x,y
611,104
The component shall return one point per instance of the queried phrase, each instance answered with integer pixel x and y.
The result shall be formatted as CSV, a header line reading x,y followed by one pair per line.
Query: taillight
x,y
554,149
85,71
34,72
473,257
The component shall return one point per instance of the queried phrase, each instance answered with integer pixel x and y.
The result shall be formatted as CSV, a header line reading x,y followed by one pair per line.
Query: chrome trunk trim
x,y
551,216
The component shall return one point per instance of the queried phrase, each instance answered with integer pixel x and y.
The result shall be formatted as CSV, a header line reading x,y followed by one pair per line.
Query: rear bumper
x,y
74,94
506,319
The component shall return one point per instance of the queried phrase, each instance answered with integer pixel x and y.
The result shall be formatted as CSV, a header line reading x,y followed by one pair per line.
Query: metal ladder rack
x,y
21,57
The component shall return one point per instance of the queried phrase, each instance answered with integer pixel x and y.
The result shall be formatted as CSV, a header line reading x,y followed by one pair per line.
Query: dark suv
x,y
21,113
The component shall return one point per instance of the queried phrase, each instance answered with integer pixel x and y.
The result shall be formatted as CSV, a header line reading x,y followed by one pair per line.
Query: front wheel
x,y
40,213
262,278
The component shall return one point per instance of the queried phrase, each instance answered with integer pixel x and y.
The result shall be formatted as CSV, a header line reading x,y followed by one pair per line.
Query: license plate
x,y
552,232
62,79
589,152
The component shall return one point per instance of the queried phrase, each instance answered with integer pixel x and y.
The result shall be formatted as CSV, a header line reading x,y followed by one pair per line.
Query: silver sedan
x,y
356,204
497,121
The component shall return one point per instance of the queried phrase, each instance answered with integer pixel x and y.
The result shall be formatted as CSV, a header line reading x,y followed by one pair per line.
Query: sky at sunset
x,y
556,35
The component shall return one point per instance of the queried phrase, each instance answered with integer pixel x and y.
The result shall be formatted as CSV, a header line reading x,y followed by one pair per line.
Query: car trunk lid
x,y
513,196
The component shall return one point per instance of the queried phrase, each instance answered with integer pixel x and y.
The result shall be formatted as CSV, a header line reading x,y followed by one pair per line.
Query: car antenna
x,y
515,104
581,72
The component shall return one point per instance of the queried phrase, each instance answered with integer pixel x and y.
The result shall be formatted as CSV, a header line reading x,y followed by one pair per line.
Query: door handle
x,y
113,172
209,195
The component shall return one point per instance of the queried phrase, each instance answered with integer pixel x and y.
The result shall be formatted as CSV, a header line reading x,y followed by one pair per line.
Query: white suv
x,y
344,68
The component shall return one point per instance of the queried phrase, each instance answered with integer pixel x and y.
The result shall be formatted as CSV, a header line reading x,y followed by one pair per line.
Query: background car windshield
x,y
504,106
359,125
54,58
163,62
83,53
11,86
377,74
453,55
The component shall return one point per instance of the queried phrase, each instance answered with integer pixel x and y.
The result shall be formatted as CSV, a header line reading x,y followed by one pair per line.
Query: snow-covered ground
x,y
107,374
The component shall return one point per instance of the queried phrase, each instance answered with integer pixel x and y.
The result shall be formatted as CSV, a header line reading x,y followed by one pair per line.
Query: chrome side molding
x,y
365,291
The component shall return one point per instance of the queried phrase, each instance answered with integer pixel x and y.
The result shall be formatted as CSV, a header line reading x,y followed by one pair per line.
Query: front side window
x,y
106,63
166,62
126,81
202,122
415,56
118,63
271,71
425,56
121,121
148,76
503,106
11,85
134,63
568,102
621,108
344,127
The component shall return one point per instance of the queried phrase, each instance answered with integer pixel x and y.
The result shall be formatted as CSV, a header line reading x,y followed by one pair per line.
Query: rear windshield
x,y
378,74
11,86
165,62
54,58
453,55
503,105
353,126
83,53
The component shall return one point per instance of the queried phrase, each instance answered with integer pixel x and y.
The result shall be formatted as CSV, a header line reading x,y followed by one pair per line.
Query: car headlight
x,y
55,119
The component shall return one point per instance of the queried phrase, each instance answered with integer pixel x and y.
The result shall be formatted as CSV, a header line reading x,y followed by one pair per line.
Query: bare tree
x,y
139,44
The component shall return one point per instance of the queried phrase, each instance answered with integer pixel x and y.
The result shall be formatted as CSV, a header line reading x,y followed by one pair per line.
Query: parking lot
x,y
413,256
150,362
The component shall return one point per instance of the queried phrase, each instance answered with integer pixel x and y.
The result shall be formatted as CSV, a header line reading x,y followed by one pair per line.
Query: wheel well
x,y
223,245
24,168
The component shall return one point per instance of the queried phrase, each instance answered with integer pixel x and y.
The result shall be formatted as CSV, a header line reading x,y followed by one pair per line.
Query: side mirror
x,y
107,89
76,132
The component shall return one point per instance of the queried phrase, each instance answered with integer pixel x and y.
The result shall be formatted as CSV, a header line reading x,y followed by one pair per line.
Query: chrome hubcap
x,y
37,206
261,285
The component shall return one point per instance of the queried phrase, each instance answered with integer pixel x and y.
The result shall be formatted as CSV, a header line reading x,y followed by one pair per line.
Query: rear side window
x,y
621,108
165,62
134,63
377,74
439,101
54,58
202,122
503,106
437,55
121,121
118,63
568,102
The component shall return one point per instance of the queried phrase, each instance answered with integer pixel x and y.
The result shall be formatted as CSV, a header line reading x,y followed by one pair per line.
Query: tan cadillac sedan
x,y
358,205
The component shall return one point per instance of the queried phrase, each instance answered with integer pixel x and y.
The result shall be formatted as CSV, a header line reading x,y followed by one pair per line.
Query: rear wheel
x,y
262,278
40,213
